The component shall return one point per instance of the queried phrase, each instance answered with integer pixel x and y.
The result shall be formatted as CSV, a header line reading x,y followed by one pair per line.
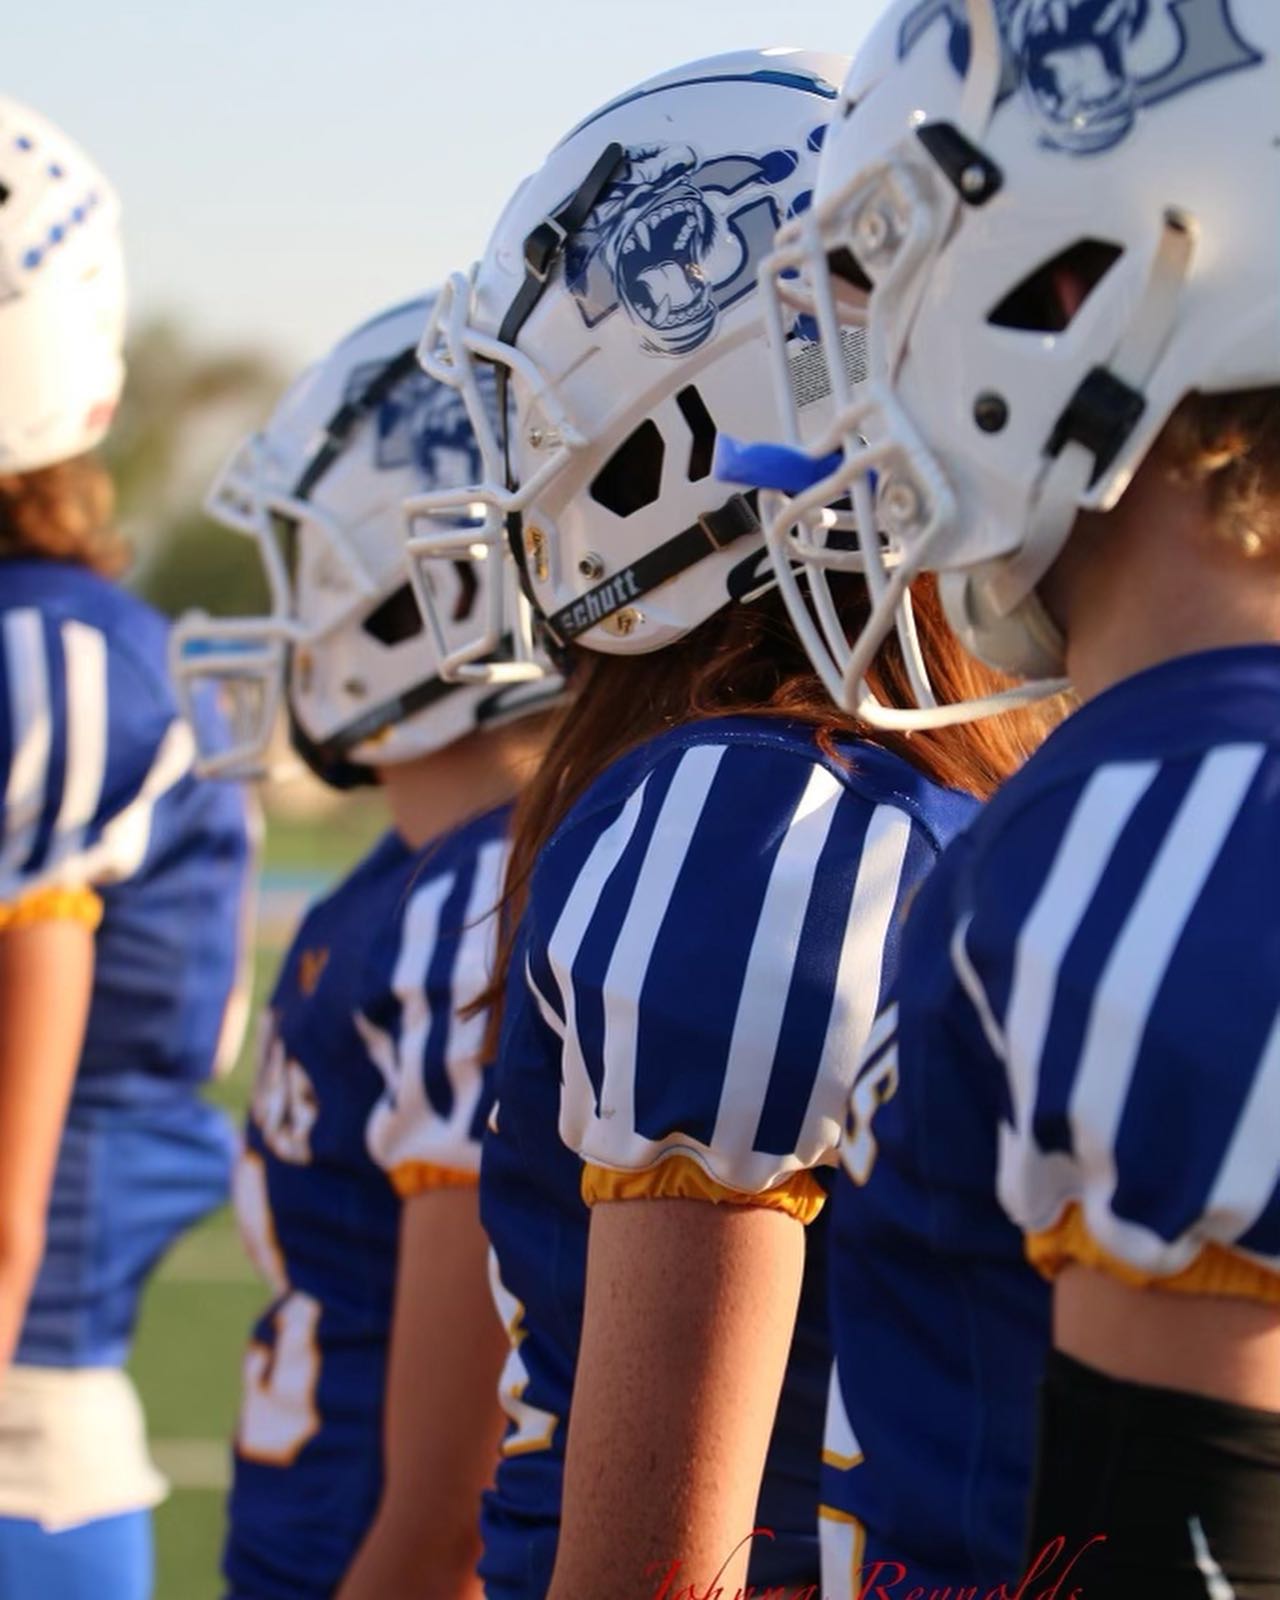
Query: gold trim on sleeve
x,y
80,904
1215,1271
679,1177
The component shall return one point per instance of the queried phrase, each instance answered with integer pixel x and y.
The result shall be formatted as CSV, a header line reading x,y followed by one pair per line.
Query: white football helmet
x,y
344,645
979,147
61,295
615,300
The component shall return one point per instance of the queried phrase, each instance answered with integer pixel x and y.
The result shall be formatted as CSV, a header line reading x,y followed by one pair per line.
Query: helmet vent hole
x,y
4,193
694,411
468,590
845,267
396,619
1050,298
632,477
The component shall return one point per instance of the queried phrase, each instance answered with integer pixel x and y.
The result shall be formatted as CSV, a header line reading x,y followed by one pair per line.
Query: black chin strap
x,y
328,759
543,247
344,421
714,531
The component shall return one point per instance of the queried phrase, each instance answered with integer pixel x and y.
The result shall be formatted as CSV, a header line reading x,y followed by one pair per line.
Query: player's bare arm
x,y
442,1420
669,1429
46,982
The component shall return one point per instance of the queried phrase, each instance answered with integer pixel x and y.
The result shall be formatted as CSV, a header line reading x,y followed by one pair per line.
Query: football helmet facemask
x,y
615,303
981,150
343,645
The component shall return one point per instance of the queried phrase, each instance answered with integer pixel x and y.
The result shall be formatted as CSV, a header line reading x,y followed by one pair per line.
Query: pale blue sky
x,y
289,166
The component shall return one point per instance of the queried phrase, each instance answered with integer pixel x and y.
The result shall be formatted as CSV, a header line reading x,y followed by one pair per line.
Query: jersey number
x,y
875,1087
277,1412
532,1428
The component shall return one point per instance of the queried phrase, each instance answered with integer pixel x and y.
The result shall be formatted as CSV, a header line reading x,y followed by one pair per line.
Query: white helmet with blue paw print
x,y
616,303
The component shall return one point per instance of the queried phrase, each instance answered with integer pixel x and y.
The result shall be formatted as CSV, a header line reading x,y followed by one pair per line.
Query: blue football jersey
x,y
706,942
1082,1063
100,807
370,1089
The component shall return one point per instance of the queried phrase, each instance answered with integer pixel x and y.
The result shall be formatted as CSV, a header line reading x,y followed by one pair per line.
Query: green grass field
x,y
200,1305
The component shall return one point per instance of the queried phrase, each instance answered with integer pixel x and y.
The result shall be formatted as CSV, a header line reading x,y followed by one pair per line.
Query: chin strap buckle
x,y
728,523
545,244
1100,415
542,248
1109,404
970,171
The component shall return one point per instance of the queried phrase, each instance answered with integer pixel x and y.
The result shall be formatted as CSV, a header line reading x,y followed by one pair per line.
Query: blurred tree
x,y
183,409
199,566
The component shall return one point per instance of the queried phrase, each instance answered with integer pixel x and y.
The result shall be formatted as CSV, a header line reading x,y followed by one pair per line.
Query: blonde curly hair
x,y
65,512
1229,446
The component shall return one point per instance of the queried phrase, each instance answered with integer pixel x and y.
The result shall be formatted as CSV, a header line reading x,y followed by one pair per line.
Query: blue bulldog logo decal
x,y
424,424
1087,67
675,239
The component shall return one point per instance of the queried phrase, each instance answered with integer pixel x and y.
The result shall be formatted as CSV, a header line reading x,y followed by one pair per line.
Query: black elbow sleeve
x,y
1183,1490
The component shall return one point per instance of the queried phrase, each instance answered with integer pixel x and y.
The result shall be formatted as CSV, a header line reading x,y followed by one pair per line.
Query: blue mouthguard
x,y
770,466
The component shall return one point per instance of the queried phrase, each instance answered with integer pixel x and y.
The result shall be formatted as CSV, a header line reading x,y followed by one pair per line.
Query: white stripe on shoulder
x,y
767,979
1101,815
122,847
473,963
26,672
690,784
419,933
876,894
85,652
1249,1175
1132,978
577,1098
971,983
545,1008
403,1108
673,832
1034,1184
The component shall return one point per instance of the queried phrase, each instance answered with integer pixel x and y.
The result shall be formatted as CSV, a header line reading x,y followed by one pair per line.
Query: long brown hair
x,y
748,661
64,512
